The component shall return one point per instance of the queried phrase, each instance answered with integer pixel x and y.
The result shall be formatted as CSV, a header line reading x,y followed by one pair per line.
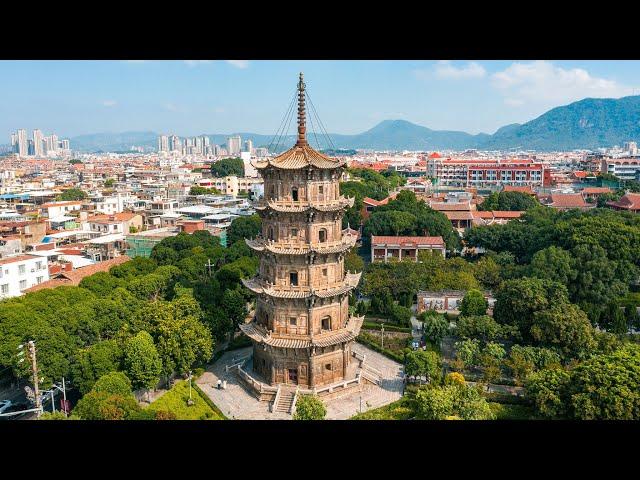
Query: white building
x,y
59,209
21,272
234,145
38,143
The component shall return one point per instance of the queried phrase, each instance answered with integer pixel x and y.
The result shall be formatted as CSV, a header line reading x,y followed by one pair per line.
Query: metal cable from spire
x,y
319,121
279,133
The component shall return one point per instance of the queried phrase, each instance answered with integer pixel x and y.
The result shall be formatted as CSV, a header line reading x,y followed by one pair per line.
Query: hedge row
x,y
208,401
387,327
387,353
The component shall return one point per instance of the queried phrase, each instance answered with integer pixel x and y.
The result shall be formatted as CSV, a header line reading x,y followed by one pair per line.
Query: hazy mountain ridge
x,y
588,123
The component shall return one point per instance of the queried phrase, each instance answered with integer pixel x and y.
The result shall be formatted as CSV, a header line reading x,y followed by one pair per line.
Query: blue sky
x,y
195,97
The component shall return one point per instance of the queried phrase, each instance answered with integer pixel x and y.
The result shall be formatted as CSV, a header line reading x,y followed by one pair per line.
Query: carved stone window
x,y
322,235
293,278
294,194
326,323
293,321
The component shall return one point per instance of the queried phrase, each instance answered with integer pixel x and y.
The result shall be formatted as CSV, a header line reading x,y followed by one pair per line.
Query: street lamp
x,y
190,402
382,333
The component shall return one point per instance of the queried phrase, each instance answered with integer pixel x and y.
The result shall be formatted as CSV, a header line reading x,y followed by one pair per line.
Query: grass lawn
x,y
402,409
504,411
175,400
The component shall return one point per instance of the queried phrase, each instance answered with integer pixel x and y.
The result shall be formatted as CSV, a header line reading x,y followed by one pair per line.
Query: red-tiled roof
x,y
451,207
17,258
60,204
74,277
595,190
568,200
629,201
459,215
435,155
580,174
513,188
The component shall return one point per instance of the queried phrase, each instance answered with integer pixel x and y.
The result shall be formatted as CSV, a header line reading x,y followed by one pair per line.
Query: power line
x,y
279,133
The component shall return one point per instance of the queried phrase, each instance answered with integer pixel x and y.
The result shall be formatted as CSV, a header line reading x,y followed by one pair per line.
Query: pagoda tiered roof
x,y
296,207
259,286
301,155
261,335
290,248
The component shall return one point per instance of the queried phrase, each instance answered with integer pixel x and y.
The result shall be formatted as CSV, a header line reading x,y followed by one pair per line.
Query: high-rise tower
x,y
302,331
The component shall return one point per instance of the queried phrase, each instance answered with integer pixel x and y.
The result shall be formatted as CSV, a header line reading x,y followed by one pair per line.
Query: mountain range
x,y
588,124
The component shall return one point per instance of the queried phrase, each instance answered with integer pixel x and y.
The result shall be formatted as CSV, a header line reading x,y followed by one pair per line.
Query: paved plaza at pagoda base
x,y
238,402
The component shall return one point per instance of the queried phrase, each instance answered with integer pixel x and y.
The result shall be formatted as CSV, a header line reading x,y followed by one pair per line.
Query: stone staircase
x,y
284,400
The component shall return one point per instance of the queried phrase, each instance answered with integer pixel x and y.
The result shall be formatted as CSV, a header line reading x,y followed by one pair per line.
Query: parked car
x,y
5,405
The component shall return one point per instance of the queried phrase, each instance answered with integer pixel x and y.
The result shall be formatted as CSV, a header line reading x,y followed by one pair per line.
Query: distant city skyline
x,y
196,97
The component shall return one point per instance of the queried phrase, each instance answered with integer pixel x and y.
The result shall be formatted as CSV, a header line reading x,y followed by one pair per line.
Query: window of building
x,y
324,272
294,194
293,278
321,190
5,288
293,321
22,269
322,235
271,233
294,232
39,280
23,284
327,366
326,323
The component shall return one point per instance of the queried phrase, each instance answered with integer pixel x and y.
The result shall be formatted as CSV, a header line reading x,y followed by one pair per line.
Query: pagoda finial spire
x,y
302,122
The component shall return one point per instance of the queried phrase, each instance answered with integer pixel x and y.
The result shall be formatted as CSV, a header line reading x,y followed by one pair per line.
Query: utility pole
x,y
208,266
382,334
64,396
31,348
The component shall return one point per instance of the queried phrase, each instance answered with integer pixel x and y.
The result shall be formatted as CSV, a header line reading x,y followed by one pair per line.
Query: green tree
x,y
108,183
553,263
509,201
228,167
353,262
518,300
548,389
72,194
482,326
436,327
93,362
473,303
110,398
141,361
424,363
468,352
605,387
244,227
566,328
453,400
309,407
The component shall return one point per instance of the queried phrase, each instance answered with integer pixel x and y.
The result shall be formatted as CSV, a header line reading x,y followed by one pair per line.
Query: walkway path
x,y
238,401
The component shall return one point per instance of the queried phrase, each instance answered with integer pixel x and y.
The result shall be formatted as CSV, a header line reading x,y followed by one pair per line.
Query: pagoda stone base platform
x,y
377,381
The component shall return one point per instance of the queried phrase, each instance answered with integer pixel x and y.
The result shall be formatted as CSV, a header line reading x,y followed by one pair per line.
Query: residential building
x,y
21,272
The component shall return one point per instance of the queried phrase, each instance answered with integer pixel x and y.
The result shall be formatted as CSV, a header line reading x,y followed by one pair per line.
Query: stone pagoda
x,y
302,331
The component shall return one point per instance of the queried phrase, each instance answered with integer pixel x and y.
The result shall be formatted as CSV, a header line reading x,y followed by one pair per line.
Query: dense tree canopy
x,y
509,201
406,215
228,167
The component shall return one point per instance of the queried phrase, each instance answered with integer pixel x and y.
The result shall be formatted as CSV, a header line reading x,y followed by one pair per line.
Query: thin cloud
x,y
109,103
545,84
445,69
239,63
196,63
